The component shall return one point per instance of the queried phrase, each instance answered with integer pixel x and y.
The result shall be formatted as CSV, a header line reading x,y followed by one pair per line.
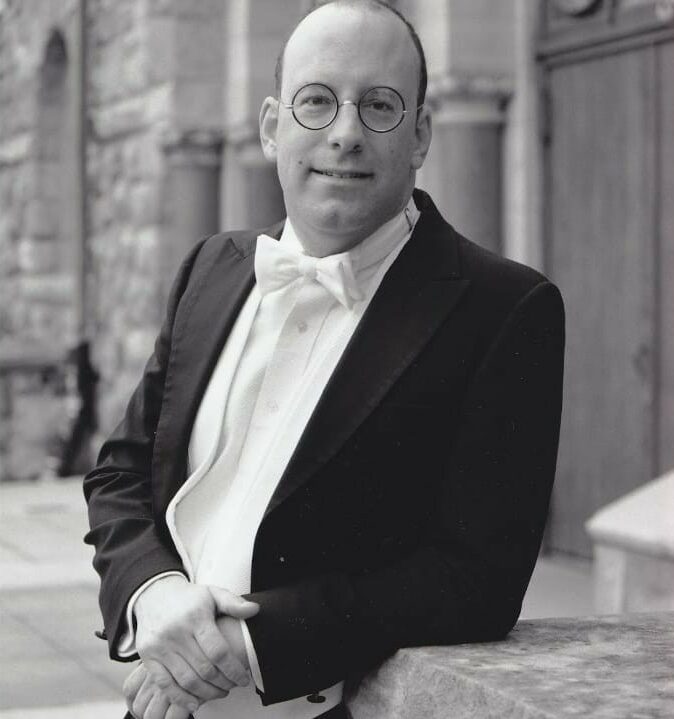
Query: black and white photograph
x,y
336,359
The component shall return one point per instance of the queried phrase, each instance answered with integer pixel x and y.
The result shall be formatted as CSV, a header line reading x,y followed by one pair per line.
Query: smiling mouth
x,y
343,175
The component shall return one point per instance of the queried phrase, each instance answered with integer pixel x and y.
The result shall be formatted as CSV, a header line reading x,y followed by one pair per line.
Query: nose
x,y
346,131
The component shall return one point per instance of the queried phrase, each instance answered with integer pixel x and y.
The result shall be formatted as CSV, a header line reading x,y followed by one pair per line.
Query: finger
x,y
142,699
208,670
218,652
232,604
177,712
162,679
157,707
133,683
184,676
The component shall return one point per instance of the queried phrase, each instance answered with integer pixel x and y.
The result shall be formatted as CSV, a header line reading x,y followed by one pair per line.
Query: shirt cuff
x,y
252,656
127,642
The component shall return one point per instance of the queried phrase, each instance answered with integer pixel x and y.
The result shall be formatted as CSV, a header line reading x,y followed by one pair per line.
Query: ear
x,y
423,132
268,127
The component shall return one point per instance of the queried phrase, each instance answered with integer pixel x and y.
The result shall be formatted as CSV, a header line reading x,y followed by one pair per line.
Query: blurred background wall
x,y
128,130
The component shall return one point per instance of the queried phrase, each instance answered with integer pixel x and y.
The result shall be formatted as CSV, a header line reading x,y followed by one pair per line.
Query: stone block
x,y
617,667
159,104
40,218
159,49
199,105
199,48
118,118
138,345
35,424
38,255
633,541
16,148
204,9
144,200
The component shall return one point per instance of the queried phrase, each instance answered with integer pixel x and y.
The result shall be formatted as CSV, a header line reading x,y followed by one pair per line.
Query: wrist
x,y
156,592
230,628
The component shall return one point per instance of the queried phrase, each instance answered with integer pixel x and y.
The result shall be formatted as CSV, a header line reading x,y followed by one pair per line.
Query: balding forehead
x,y
370,7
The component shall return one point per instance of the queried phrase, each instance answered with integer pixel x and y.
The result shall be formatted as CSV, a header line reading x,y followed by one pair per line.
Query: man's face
x,y
371,175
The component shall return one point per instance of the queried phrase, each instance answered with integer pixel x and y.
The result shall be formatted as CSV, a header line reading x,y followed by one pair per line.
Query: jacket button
x,y
316,698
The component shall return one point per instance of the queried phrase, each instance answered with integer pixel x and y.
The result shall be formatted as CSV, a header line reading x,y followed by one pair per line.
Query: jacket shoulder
x,y
494,273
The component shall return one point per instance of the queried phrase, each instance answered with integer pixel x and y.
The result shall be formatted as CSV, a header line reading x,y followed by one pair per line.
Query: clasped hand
x,y
189,653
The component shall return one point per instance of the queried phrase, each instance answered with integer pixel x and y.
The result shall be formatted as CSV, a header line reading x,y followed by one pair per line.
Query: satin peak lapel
x,y
420,289
218,288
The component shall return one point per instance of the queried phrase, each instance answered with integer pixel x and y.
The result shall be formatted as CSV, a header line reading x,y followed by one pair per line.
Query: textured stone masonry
x,y
614,667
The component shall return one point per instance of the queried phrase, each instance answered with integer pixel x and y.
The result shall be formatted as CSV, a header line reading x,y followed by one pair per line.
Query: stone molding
x,y
472,100
202,148
17,149
244,141
242,134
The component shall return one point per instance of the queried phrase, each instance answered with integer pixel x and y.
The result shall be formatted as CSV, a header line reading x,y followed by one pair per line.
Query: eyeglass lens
x,y
380,109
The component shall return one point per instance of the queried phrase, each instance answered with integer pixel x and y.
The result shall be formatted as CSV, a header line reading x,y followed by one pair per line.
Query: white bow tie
x,y
277,265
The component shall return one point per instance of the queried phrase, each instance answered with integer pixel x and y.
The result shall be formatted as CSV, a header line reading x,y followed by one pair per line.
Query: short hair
x,y
372,5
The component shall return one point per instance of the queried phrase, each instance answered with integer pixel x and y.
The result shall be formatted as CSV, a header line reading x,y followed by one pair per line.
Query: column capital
x,y
244,140
469,99
192,147
242,134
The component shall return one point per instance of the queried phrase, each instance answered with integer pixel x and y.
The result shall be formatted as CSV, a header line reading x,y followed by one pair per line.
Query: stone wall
x,y
154,69
37,282
30,119
162,74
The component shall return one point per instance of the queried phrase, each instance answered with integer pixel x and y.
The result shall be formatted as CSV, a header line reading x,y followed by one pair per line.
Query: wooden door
x,y
604,75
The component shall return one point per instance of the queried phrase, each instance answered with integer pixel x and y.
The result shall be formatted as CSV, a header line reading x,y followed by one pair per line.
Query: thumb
x,y
232,604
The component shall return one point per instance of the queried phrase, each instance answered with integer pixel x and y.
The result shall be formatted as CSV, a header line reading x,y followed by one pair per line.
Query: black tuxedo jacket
x,y
412,510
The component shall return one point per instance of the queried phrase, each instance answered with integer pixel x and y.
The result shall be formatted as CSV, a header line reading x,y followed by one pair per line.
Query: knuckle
x,y
189,681
216,650
164,681
180,698
208,671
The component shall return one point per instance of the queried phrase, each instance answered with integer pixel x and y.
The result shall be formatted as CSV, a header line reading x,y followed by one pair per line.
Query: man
x,y
354,426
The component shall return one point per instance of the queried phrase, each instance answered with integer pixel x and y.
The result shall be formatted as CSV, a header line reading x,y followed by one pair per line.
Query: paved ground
x,y
52,666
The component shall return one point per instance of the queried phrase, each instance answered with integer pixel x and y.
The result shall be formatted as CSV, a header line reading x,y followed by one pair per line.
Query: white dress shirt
x,y
271,373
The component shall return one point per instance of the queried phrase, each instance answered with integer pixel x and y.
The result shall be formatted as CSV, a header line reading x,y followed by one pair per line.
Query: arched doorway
x,y
48,252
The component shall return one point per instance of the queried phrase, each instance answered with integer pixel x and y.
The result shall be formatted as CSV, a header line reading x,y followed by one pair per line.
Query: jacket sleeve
x,y
467,583
129,544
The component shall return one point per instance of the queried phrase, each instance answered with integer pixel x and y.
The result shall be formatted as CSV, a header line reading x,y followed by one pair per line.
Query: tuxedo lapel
x,y
418,292
215,295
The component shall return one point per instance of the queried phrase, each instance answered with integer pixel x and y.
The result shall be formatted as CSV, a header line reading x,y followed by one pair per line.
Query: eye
x,y
382,102
315,100
379,106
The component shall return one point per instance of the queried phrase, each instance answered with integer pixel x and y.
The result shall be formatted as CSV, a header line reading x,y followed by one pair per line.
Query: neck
x,y
322,245
319,243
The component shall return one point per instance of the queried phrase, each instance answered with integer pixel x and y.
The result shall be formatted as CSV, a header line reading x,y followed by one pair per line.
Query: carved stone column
x,y
469,50
192,193
463,171
253,195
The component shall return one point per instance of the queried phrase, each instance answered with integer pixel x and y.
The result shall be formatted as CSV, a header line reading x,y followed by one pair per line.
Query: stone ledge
x,y
612,667
641,521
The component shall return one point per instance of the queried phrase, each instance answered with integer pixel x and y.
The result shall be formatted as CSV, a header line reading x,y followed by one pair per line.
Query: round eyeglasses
x,y
315,106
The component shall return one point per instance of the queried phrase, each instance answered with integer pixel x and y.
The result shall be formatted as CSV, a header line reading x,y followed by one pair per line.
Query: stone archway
x,y
48,249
